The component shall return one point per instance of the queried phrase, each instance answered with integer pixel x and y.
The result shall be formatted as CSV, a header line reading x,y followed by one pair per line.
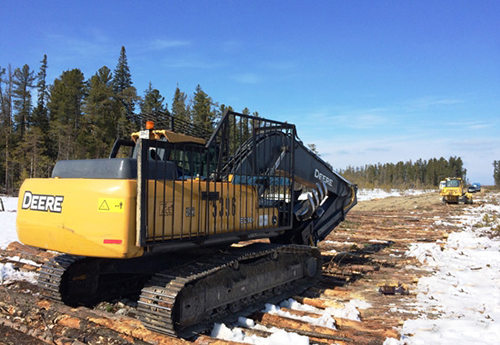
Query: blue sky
x,y
366,81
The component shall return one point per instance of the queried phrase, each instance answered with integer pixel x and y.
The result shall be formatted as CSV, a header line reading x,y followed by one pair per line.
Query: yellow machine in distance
x,y
454,191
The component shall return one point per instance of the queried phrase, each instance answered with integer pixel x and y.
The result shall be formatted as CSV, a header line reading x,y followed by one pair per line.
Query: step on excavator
x,y
201,227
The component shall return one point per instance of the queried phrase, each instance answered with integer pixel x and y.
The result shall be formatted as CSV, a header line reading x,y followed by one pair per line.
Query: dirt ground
x,y
409,202
364,259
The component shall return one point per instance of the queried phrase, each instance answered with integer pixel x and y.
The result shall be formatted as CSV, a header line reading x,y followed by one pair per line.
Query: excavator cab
x,y
189,162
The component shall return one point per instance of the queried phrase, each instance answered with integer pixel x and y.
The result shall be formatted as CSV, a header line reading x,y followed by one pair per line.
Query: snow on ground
x,y
8,234
278,336
8,221
325,319
368,194
464,290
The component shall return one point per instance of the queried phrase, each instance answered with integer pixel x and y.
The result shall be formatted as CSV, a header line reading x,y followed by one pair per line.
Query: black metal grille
x,y
164,120
238,186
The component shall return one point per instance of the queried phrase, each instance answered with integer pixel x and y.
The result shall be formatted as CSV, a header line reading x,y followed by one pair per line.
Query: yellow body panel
x,y
97,217
81,225
190,215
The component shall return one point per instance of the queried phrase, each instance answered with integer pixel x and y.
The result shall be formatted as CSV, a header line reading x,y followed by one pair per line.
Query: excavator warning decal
x,y
111,205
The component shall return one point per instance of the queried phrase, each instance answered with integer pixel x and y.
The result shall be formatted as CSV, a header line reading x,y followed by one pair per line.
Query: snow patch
x,y
463,294
277,336
8,220
9,273
368,194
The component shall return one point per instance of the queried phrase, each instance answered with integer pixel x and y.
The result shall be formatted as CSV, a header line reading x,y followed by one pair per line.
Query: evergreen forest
x,y
77,118
420,174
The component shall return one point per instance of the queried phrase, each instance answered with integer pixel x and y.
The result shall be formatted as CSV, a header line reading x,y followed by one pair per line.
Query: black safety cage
x,y
236,187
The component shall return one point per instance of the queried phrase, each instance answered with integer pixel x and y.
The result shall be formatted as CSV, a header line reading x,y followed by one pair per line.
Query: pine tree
x,y
40,113
7,126
65,112
100,125
23,83
4,125
122,78
245,125
122,84
152,103
180,110
40,125
202,110
41,84
35,145
30,156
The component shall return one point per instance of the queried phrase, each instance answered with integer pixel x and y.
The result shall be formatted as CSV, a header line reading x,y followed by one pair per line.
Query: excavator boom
x,y
323,196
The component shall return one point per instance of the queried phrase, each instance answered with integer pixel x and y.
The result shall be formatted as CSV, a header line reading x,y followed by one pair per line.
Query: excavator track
x,y
51,275
188,299
78,280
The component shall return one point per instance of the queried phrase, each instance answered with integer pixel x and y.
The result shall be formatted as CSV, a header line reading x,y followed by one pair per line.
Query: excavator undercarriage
x,y
217,289
163,222
187,294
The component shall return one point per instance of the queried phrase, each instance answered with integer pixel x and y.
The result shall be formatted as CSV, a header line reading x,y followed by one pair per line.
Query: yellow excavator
x,y
200,226
454,191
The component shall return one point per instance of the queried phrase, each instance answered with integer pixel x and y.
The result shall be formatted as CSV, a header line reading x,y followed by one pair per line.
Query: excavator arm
x,y
321,197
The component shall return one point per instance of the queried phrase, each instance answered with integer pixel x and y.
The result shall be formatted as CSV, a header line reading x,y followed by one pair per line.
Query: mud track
x,y
363,256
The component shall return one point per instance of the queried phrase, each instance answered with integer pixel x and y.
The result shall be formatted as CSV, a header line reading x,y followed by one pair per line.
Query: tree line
x,y
420,174
78,118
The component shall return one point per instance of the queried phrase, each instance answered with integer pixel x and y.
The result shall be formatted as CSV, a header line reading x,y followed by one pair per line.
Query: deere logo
x,y
323,178
40,202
